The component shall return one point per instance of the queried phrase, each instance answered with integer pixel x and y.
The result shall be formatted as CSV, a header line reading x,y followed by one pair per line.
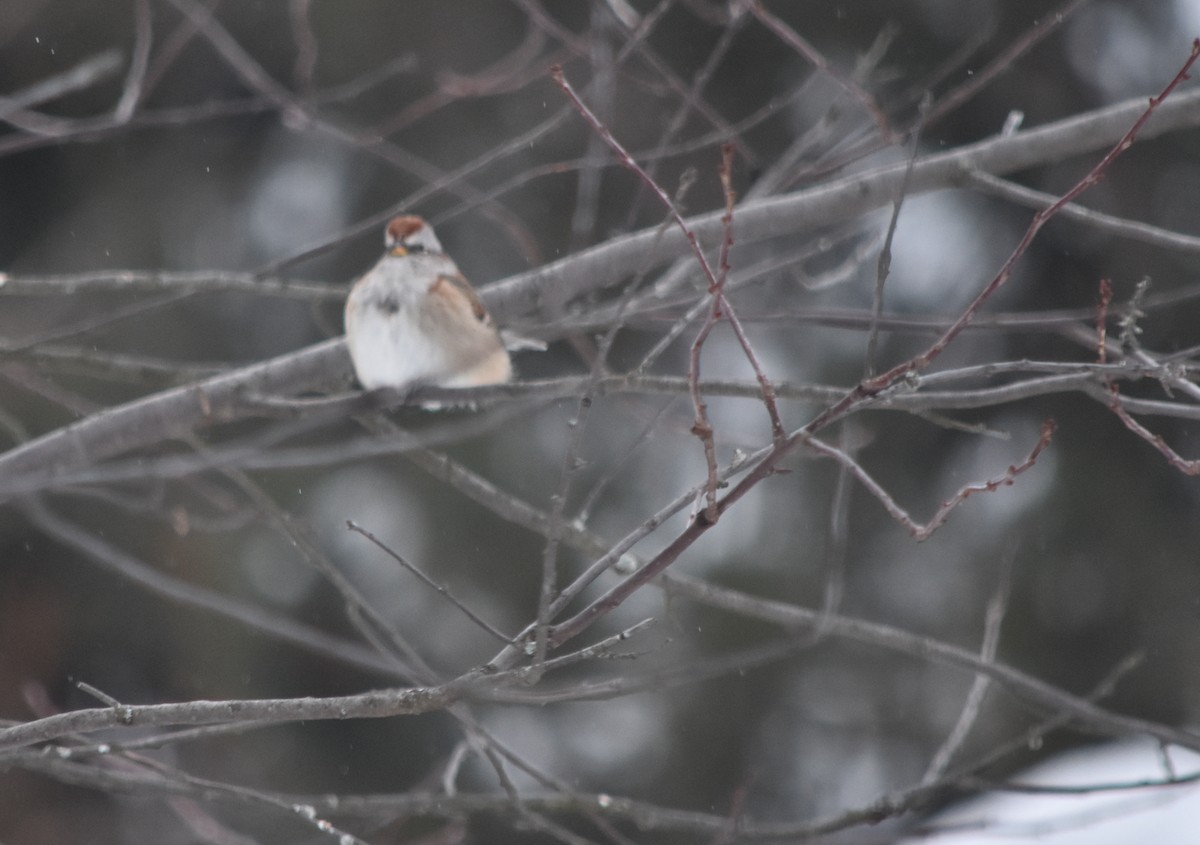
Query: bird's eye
x,y
415,247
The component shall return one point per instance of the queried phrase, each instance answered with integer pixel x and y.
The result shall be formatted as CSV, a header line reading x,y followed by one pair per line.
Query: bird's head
x,y
410,234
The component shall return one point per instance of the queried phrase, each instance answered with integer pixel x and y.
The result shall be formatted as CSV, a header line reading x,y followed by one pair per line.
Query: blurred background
x,y
268,147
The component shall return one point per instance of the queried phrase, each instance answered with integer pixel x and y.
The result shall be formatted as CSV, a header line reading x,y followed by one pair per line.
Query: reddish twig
x,y
702,428
556,73
766,389
721,306
1106,295
918,530
726,175
1188,467
1005,480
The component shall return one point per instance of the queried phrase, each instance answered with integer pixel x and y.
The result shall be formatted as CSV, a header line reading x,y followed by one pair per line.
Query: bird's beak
x,y
399,251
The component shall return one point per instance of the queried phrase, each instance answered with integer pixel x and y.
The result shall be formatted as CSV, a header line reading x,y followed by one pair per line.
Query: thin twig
x,y
677,120
1106,294
701,427
884,264
440,588
794,40
993,621
1003,62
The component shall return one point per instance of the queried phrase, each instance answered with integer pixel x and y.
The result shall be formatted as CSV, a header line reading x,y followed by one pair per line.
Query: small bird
x,y
413,319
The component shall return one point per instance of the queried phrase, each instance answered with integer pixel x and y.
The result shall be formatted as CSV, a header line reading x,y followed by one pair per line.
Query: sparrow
x,y
413,319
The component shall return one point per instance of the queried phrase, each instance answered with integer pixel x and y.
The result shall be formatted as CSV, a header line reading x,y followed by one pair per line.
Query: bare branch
x,y
899,641
1117,226
87,73
369,705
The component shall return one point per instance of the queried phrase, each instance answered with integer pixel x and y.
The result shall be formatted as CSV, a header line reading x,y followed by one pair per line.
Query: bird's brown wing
x,y
458,289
